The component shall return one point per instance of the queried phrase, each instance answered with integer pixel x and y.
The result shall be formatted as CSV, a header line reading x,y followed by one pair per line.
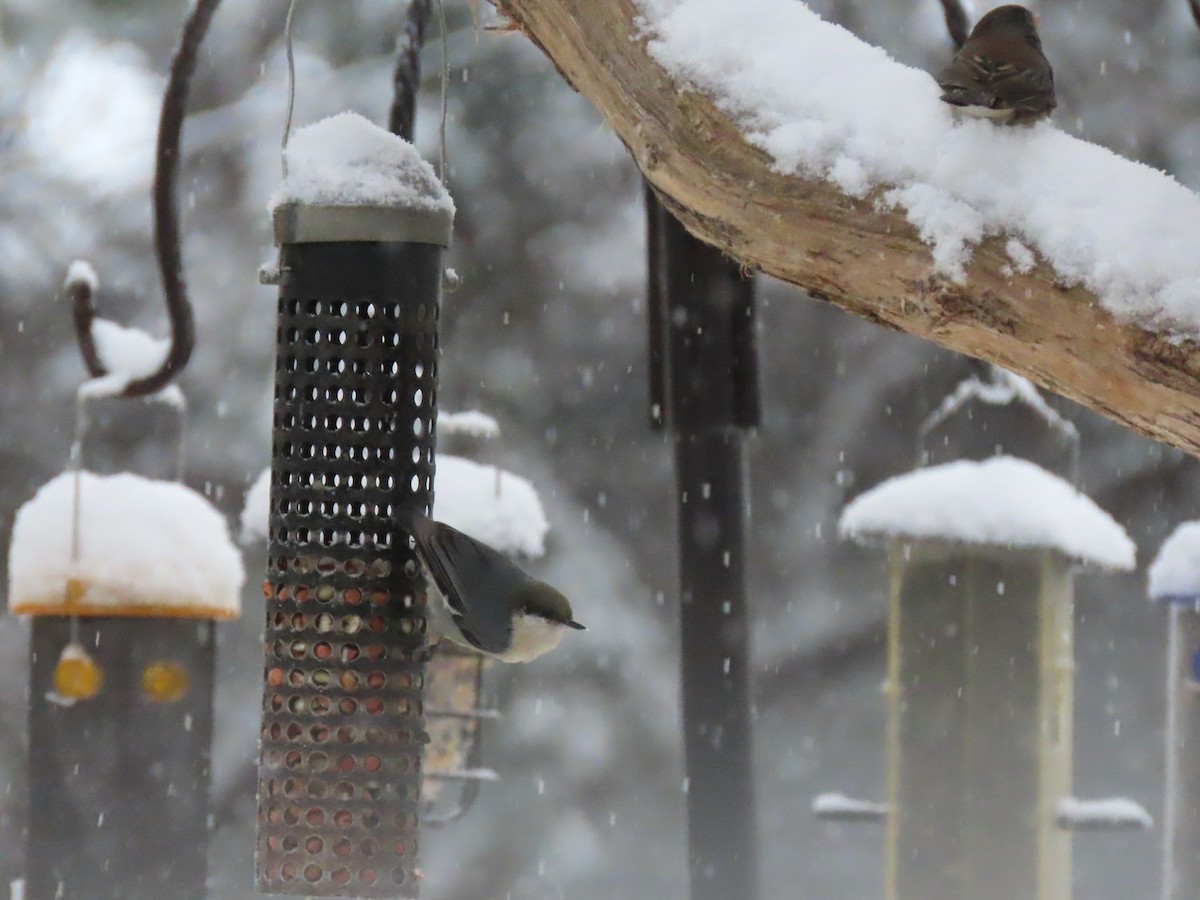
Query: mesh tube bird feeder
x,y
361,222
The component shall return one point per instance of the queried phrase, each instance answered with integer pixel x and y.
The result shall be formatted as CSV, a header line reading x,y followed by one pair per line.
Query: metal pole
x,y
706,390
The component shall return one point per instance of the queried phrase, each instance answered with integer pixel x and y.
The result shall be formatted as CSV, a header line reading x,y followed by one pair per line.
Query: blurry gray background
x,y
547,333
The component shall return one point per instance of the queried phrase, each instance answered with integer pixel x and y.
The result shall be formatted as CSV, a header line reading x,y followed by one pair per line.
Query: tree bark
x,y
868,261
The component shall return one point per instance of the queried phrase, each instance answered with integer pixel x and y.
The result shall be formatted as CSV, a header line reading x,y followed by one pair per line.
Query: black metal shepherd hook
x,y
166,224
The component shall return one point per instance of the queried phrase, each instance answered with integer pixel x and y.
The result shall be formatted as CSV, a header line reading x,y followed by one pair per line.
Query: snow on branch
x,y
1032,249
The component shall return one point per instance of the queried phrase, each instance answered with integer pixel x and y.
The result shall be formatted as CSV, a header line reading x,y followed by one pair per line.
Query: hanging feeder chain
x,y
407,78
407,75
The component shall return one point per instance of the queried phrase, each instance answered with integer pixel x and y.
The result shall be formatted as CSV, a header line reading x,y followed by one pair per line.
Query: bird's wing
x,y
974,78
462,567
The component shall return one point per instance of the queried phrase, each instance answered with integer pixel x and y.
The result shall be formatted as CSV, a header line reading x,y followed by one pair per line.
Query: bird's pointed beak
x,y
571,623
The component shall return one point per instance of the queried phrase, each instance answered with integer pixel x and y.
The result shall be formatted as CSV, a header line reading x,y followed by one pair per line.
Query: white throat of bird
x,y
531,637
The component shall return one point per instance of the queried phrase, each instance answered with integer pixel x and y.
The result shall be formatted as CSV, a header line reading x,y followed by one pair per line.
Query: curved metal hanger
x,y
166,224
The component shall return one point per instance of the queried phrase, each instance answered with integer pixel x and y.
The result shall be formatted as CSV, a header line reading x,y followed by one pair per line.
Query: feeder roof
x,y
348,163
147,548
488,503
1004,388
1002,501
1174,576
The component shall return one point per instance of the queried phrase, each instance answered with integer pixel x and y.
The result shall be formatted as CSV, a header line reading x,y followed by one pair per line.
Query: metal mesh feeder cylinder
x,y
361,222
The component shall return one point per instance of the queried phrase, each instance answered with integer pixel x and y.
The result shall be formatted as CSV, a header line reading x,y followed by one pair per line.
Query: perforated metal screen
x,y
343,720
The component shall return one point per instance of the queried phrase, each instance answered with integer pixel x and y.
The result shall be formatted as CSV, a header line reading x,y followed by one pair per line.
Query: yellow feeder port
x,y
76,676
164,682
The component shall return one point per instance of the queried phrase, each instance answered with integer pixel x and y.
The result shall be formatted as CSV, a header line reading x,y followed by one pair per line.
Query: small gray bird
x,y
1001,72
480,599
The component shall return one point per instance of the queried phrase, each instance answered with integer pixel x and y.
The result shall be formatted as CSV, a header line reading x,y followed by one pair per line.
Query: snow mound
x,y
1001,501
128,351
128,354
838,806
1004,389
347,160
146,547
1174,576
821,103
491,505
1109,813
80,271
256,509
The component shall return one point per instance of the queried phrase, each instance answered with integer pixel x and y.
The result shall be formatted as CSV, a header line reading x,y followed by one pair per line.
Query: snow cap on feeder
x,y
146,548
351,180
997,412
1174,576
1000,502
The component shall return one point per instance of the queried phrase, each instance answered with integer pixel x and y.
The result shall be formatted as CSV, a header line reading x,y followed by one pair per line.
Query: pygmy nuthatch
x,y
480,599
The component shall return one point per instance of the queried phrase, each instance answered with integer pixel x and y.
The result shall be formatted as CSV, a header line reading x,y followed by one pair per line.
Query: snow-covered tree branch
x,y
813,157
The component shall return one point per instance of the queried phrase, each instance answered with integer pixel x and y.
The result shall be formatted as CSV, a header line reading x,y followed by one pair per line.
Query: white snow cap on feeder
x,y
1124,230
348,160
1004,388
1002,501
257,509
147,548
491,505
1174,576
488,503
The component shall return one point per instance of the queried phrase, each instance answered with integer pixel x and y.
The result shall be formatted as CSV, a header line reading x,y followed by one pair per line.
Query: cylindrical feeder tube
x,y
354,425
1181,865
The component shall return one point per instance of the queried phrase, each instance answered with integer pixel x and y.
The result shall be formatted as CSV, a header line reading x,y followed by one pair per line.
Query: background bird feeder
x,y
1175,582
981,557
361,221
121,684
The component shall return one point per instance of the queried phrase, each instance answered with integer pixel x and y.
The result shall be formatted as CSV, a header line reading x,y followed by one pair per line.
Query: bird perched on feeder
x,y
482,600
1001,72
